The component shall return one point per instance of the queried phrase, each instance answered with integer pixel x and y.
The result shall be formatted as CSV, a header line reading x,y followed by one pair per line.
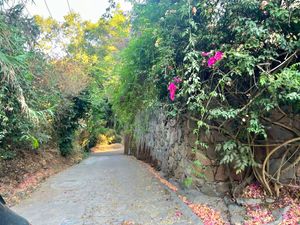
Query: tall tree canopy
x,y
54,76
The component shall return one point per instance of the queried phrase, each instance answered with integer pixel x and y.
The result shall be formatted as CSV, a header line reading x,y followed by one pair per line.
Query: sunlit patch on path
x,y
107,148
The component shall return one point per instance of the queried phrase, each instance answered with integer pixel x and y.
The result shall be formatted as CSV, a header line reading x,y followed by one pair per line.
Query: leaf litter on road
x,y
208,215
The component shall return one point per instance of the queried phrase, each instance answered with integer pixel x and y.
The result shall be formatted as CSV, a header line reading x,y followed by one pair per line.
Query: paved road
x,y
107,188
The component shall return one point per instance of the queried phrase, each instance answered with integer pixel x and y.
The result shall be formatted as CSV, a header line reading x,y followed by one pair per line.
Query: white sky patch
x,y
88,9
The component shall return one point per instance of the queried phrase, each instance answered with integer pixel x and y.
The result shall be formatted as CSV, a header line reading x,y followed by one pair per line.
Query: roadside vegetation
x,y
227,65
54,77
232,67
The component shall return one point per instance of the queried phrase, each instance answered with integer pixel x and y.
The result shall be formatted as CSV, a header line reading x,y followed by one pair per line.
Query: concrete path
x,y
107,188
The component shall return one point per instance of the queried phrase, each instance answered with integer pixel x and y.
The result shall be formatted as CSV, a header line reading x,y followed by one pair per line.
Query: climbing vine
x,y
228,65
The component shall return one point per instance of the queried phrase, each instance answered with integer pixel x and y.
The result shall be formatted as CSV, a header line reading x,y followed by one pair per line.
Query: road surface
x,y
106,188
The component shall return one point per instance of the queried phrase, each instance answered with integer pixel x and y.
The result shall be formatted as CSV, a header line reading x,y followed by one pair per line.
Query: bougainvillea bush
x,y
237,62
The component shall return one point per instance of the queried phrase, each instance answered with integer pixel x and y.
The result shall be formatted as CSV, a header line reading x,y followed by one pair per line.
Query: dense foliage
x,y
87,52
53,78
228,65
24,111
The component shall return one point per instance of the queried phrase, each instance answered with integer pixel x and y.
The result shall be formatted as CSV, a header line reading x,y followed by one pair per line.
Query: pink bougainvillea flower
x,y
204,54
172,89
178,213
177,80
211,61
219,55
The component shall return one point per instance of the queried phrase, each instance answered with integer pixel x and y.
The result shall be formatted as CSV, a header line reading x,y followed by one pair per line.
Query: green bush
x,y
67,122
45,99
26,105
234,61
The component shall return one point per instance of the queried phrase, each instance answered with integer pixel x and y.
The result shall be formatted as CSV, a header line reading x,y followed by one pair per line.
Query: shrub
x,y
228,65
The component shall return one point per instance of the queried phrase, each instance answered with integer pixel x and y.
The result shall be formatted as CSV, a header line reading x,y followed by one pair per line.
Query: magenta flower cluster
x,y
172,87
212,60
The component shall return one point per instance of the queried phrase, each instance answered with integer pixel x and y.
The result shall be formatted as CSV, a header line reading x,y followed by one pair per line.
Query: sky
x,y
88,9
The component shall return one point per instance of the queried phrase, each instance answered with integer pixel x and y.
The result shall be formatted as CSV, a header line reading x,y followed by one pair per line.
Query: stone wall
x,y
168,145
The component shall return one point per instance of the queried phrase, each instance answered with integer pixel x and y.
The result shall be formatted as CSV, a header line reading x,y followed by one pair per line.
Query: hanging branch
x,y
264,173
